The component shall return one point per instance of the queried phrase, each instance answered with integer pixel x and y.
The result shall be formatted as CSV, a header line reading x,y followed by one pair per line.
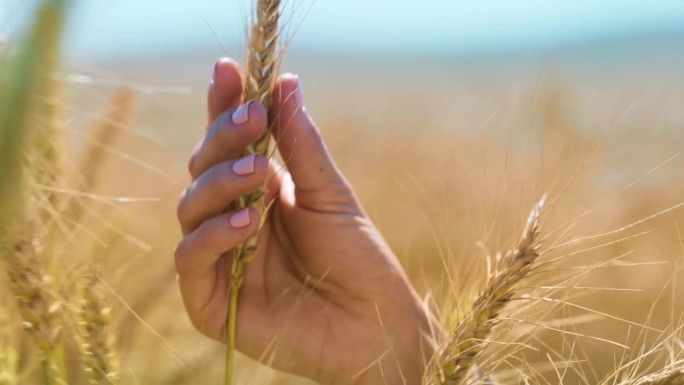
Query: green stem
x,y
53,368
235,284
47,372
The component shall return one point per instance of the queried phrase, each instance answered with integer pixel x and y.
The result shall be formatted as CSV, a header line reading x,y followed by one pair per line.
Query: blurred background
x,y
460,113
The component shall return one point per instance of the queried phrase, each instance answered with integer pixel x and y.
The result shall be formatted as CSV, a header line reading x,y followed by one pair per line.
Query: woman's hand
x,y
324,297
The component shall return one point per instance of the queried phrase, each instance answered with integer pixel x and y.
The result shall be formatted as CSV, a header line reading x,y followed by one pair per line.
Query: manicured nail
x,y
241,219
241,115
245,166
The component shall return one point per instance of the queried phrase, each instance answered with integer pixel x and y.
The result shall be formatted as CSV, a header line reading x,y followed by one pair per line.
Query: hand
x,y
324,297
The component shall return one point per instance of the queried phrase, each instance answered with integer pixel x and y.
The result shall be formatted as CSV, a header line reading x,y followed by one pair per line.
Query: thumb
x,y
299,140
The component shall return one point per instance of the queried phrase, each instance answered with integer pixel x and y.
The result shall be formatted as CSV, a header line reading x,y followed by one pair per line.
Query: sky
x,y
106,29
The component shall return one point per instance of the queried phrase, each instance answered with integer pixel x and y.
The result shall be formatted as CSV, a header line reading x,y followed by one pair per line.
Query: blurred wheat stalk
x,y
34,214
27,117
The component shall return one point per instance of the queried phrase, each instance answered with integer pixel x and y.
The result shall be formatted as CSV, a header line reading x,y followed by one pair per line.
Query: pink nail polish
x,y
245,166
241,115
241,219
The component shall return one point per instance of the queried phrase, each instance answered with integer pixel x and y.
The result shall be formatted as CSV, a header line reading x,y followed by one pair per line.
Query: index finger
x,y
225,90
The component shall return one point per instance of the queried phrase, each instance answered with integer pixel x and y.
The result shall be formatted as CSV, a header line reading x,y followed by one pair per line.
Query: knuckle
x,y
179,256
223,132
192,164
208,237
193,161
182,206
219,180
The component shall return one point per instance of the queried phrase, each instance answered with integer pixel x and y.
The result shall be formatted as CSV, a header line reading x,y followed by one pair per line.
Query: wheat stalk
x,y
262,65
95,330
96,338
46,143
25,76
104,132
29,122
454,360
8,356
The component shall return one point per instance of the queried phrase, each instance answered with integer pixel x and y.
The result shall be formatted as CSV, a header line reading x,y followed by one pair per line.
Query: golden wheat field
x,y
447,159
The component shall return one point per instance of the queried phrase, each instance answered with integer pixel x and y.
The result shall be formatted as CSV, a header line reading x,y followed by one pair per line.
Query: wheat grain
x,y
262,64
454,360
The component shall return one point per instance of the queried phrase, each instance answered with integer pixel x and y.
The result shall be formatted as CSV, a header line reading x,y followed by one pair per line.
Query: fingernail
x,y
245,166
241,219
241,115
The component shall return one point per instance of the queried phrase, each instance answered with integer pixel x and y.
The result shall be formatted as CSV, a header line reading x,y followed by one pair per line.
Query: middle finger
x,y
213,191
227,137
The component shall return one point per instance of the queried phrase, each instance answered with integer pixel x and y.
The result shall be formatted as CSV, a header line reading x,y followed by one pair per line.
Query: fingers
x,y
299,141
228,135
198,252
213,191
225,89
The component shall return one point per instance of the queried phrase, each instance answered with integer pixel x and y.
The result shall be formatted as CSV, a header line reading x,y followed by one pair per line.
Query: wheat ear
x,y
262,65
671,375
96,338
38,308
469,337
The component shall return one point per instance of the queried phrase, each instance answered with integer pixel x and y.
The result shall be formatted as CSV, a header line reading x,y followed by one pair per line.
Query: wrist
x,y
413,336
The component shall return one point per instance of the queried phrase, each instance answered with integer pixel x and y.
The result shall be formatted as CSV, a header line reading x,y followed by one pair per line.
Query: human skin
x,y
324,297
